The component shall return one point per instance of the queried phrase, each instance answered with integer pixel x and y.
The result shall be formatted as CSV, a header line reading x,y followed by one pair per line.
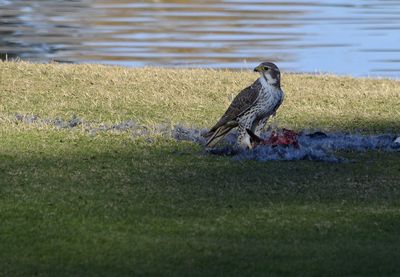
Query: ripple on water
x,y
337,36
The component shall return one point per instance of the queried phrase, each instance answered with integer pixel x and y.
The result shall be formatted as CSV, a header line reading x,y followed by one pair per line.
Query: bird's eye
x,y
266,67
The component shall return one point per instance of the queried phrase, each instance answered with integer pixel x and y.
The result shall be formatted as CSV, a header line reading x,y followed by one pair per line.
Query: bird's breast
x,y
270,100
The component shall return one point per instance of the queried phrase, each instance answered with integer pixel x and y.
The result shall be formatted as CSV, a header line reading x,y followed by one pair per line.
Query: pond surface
x,y
359,37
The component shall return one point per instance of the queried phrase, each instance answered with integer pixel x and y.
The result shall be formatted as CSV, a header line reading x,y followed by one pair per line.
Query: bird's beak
x,y
257,69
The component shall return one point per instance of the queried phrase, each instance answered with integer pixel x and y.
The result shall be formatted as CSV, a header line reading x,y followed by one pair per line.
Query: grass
x,y
192,96
74,204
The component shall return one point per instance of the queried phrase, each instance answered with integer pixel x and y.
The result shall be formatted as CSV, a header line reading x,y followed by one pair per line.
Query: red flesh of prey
x,y
285,138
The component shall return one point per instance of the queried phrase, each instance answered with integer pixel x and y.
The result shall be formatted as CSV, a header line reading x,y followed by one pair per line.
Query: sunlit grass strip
x,y
192,96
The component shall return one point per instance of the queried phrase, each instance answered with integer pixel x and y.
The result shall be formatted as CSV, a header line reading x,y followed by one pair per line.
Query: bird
x,y
251,108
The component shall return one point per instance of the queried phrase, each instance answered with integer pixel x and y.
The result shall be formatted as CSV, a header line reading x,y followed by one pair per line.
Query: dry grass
x,y
191,96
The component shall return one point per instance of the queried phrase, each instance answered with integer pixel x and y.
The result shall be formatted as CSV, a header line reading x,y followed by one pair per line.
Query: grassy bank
x,y
198,97
77,204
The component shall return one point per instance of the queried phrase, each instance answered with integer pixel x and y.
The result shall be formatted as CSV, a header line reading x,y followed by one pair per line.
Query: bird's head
x,y
270,72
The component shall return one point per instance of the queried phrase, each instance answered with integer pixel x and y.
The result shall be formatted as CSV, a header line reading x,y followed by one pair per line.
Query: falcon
x,y
251,108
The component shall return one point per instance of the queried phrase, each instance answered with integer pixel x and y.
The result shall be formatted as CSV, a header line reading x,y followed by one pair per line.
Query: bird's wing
x,y
220,133
240,104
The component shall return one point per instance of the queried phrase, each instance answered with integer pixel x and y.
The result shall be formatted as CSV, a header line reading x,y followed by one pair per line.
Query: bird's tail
x,y
219,134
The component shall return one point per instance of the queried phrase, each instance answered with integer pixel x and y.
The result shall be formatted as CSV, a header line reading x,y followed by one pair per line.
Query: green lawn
x,y
77,204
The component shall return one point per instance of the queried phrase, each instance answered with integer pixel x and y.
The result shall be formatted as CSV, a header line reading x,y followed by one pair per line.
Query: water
x,y
359,38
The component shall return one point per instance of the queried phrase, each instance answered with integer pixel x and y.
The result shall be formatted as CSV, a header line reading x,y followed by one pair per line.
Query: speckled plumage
x,y
251,108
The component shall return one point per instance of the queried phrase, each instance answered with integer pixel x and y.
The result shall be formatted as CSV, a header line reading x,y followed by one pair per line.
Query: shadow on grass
x,y
76,205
